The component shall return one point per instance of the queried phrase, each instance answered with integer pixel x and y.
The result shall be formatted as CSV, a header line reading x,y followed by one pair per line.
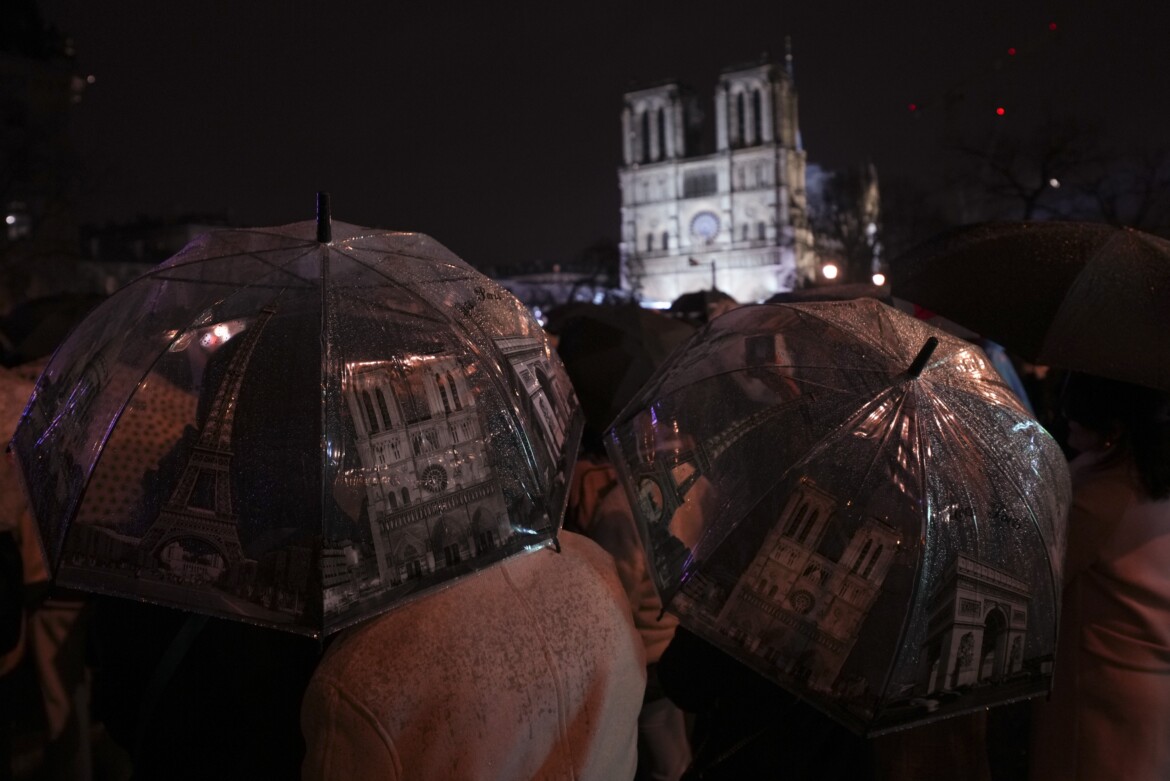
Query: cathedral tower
x,y
735,218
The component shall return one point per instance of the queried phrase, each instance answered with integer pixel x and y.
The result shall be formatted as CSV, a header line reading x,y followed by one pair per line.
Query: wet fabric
x,y
531,669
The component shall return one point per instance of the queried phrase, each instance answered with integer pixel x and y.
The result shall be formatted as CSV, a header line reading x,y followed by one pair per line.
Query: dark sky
x,y
495,127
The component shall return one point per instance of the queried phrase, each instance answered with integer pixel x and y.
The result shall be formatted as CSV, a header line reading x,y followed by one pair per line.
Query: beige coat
x,y
530,669
1109,713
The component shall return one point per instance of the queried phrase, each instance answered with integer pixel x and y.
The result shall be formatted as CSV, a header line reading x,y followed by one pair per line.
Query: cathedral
x,y
735,219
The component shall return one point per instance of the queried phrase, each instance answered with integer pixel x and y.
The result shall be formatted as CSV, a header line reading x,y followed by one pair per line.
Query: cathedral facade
x,y
736,219
800,609
435,501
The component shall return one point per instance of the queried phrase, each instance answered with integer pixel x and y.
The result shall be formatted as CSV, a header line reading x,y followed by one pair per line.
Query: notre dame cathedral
x,y
736,219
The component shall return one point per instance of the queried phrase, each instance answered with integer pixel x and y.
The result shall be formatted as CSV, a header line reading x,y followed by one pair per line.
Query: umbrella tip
x,y
324,219
922,357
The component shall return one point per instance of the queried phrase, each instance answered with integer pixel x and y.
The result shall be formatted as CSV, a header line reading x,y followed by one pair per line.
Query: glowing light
x,y
90,79
830,271
879,279
1054,183
1011,51
222,331
913,107
1000,111
10,219
1052,26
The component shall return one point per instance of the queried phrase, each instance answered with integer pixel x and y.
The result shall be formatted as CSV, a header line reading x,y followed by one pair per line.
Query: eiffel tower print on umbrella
x,y
200,508
298,427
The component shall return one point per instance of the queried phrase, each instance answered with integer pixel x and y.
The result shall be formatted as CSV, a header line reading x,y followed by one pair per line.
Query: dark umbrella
x,y
842,292
297,427
1081,296
853,504
610,351
34,328
701,305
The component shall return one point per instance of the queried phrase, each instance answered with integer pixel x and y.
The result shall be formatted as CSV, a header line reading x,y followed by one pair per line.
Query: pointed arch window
x,y
741,119
861,556
872,561
661,133
758,116
807,527
443,394
386,423
645,137
454,392
371,418
797,517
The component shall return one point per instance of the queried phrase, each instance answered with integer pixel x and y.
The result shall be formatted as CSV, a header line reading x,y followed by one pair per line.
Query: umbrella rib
x,y
804,381
1009,477
920,453
280,268
811,452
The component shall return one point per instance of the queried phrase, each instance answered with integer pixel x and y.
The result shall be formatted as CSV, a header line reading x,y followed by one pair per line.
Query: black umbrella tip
x,y
324,219
922,357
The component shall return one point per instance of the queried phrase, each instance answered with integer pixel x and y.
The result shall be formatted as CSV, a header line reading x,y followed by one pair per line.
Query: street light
x,y
830,270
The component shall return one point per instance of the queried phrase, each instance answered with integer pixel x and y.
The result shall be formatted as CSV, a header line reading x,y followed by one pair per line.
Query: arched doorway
x,y
993,654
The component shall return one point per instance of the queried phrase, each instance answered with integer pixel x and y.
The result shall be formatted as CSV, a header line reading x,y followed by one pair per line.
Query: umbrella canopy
x,y
699,306
297,429
1082,296
872,525
609,351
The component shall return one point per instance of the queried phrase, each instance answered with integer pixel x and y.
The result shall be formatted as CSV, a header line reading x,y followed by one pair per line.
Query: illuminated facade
x,y
736,219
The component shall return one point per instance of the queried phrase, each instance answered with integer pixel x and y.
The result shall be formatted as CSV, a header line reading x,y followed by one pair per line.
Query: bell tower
x,y
735,217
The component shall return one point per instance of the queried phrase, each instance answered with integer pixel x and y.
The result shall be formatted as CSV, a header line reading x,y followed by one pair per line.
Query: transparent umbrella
x,y
855,505
298,427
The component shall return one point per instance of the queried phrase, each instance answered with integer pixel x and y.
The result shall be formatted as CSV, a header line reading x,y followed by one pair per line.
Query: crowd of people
x,y
563,664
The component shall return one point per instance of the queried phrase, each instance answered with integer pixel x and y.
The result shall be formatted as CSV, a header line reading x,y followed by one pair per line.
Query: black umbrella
x,y
1082,296
609,351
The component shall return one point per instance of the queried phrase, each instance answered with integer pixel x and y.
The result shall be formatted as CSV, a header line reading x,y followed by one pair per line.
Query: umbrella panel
x,y
1082,296
295,437
887,549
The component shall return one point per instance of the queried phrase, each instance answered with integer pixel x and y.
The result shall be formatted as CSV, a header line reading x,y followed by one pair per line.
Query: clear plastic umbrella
x,y
298,427
854,504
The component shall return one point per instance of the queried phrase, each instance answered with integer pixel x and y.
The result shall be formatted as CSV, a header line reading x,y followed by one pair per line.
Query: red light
x,y
1011,51
913,107
1000,111
1052,26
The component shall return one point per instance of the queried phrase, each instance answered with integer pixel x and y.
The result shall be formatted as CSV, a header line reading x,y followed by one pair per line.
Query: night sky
x,y
495,127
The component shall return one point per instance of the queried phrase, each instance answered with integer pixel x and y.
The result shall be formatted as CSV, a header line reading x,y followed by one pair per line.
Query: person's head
x,y
1120,420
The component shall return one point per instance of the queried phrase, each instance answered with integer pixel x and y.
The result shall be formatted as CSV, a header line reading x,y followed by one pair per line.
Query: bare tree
x,y
845,214
1025,173
1132,191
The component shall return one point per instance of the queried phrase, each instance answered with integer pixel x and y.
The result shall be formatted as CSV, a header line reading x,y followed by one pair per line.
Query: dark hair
x,y
1138,418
